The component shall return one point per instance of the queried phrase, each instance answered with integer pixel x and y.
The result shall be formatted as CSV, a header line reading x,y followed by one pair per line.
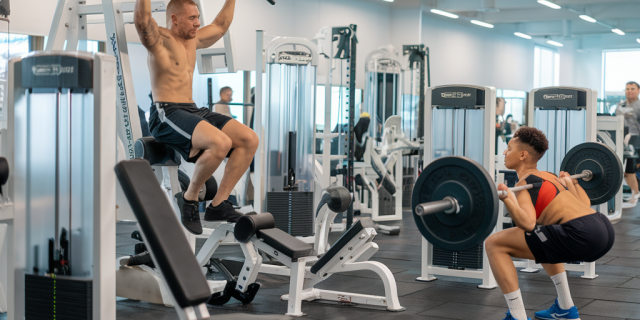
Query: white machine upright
x,y
459,120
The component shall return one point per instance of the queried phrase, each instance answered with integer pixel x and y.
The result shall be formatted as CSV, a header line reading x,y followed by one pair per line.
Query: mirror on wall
x,y
511,111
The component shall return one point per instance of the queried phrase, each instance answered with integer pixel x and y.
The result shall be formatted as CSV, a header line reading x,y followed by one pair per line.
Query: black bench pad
x,y
157,153
289,245
354,231
164,234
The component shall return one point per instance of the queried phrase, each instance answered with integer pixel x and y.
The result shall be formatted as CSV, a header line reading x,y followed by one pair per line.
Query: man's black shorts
x,y
586,239
174,123
630,165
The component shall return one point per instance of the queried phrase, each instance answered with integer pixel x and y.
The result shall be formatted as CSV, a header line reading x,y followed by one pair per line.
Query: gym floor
x,y
615,294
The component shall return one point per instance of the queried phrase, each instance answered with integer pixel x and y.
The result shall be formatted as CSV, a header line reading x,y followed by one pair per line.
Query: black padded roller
x,y
249,224
211,188
157,153
4,171
340,199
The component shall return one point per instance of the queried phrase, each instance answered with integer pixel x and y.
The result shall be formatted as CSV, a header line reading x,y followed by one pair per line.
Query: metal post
x,y
351,134
260,170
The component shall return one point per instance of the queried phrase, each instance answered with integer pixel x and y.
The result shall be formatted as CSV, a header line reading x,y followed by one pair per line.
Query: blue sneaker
x,y
510,317
555,312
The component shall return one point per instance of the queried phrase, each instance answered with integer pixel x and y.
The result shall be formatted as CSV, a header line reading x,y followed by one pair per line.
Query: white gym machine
x,y
60,107
568,117
382,100
285,123
611,133
336,65
459,120
69,32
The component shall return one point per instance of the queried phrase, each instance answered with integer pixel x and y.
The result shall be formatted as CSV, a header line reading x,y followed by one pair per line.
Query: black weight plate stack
x,y
470,184
602,162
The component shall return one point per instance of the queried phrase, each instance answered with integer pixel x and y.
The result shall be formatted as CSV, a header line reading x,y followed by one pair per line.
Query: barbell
x,y
455,200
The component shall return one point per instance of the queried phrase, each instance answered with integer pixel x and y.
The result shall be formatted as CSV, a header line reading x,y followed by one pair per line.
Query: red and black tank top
x,y
542,193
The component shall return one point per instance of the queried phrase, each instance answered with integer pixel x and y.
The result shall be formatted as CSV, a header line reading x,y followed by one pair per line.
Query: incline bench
x,y
142,282
166,241
350,253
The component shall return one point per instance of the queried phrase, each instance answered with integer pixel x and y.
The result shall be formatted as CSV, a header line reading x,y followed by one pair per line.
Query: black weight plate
x,y
468,182
603,163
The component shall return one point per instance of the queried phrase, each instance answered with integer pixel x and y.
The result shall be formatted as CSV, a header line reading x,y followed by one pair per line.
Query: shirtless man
x,y
555,224
200,136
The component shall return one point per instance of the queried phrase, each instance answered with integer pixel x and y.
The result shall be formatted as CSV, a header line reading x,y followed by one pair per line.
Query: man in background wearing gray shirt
x,y
225,97
631,110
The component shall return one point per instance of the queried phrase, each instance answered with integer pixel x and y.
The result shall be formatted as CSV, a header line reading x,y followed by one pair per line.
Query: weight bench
x,y
165,239
350,253
256,234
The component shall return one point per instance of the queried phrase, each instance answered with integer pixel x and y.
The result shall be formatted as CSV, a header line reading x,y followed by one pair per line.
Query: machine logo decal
x,y
557,96
455,95
50,70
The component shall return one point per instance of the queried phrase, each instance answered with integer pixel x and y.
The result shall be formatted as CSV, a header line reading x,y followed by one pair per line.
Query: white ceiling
x,y
528,16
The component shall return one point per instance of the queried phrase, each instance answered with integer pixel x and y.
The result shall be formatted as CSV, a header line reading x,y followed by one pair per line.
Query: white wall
x,y
460,52
304,18
140,74
579,67
469,54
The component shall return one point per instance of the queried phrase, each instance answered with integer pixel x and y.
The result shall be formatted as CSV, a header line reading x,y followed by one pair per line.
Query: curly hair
x,y
533,138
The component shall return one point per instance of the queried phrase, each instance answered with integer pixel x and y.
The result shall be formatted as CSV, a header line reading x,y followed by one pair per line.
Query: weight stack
x,y
408,180
467,259
386,203
61,297
292,211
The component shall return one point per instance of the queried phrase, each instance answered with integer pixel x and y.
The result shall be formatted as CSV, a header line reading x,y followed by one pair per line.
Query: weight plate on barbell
x,y
602,162
470,184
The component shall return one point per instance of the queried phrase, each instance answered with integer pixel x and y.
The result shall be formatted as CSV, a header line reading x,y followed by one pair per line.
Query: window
x,y
218,81
618,68
514,104
339,102
10,45
546,67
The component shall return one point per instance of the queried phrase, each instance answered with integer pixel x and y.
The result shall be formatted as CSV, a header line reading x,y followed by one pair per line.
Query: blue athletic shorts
x,y
174,123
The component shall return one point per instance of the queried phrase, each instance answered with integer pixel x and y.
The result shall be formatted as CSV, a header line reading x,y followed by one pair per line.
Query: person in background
x,y
510,126
500,106
630,108
226,96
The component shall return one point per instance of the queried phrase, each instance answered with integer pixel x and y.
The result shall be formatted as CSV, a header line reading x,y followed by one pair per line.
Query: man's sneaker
x,y
556,313
223,211
190,214
510,317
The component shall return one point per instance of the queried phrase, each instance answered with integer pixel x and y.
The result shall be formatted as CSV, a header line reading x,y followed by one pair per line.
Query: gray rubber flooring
x,y
615,294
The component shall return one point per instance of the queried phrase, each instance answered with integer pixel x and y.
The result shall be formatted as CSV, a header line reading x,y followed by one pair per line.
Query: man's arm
x,y
210,34
520,207
145,25
575,188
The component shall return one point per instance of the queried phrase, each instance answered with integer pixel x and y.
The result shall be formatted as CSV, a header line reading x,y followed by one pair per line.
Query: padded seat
x,y
157,153
354,231
289,245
